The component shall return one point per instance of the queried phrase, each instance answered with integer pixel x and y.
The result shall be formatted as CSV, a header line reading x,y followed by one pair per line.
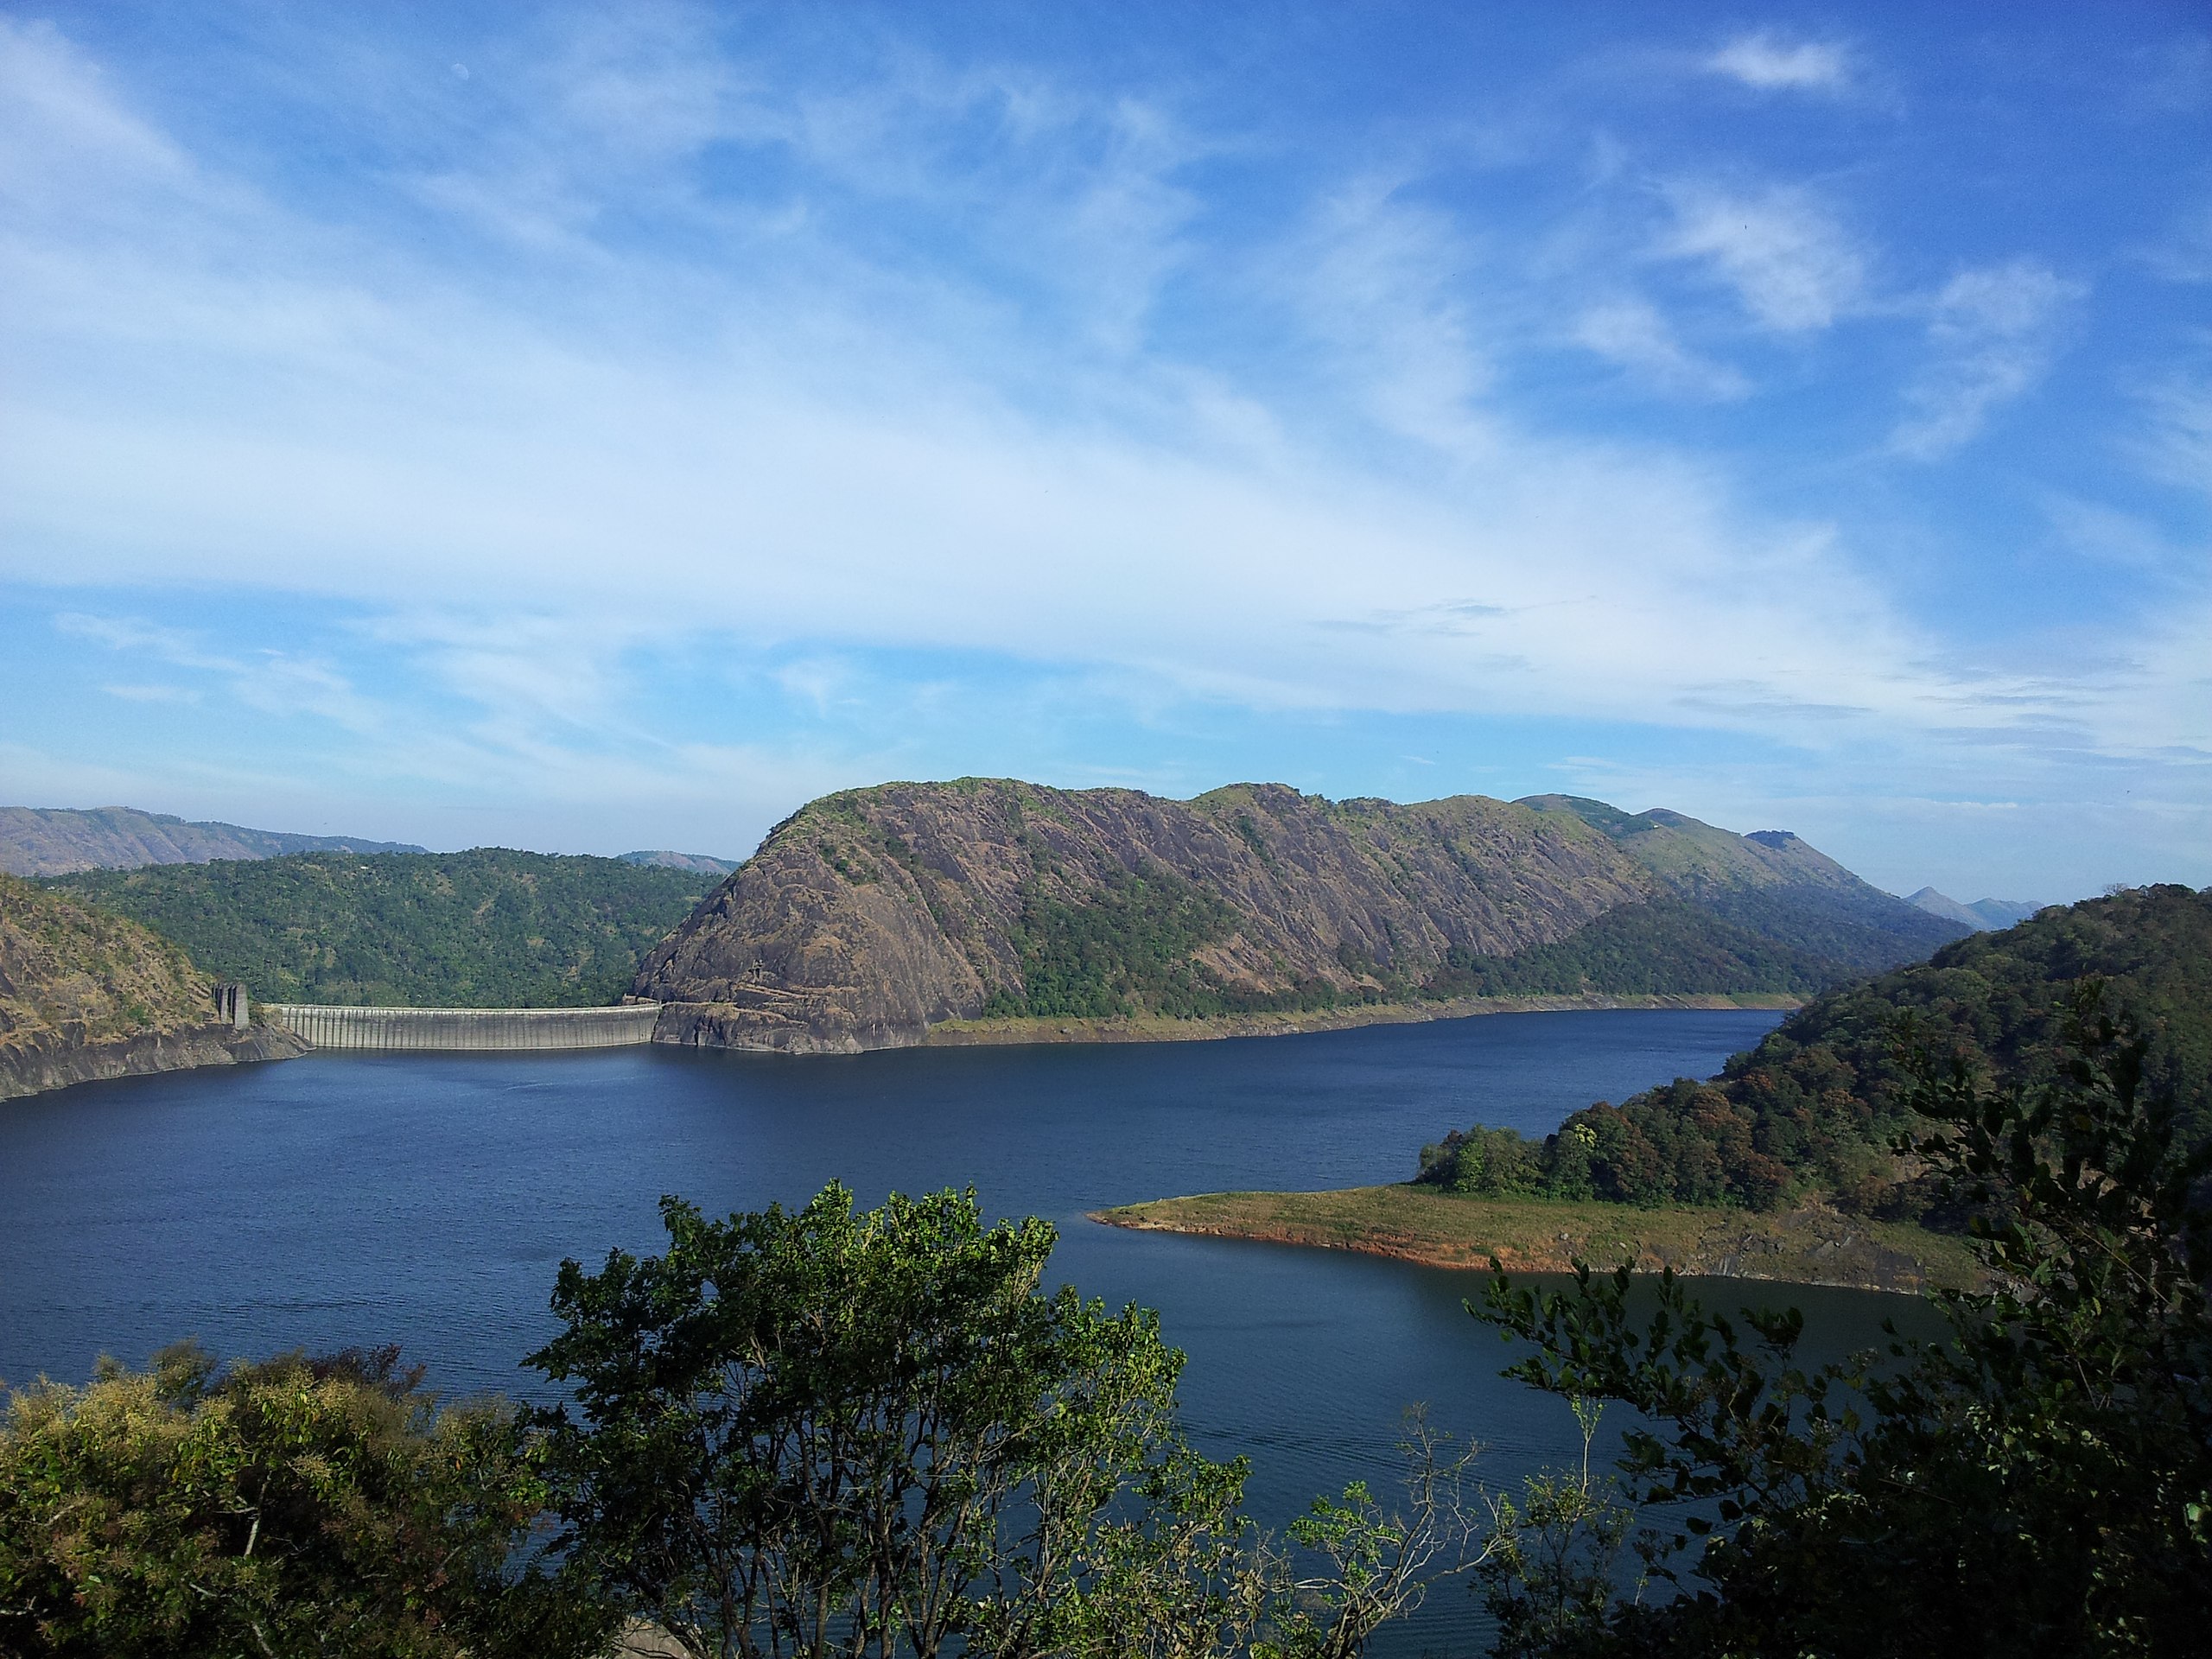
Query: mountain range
x,y
872,917
991,909
1982,915
59,840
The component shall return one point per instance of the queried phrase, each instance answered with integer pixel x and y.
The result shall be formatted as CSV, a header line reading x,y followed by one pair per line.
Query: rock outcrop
x,y
85,995
872,915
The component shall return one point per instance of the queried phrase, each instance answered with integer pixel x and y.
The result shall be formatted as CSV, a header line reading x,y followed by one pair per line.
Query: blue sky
x,y
597,427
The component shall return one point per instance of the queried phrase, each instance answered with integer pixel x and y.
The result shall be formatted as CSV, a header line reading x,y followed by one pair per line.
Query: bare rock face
x,y
871,915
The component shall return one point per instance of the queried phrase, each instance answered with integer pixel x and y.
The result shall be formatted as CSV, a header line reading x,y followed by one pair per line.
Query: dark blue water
x,y
428,1200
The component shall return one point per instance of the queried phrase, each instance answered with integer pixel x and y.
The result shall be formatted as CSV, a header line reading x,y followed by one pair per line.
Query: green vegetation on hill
x,y
1738,913
1819,1102
1665,946
67,969
1128,950
488,928
1769,883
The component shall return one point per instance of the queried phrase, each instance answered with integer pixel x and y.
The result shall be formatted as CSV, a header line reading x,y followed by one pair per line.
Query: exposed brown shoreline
x,y
1159,1028
41,1061
1813,1245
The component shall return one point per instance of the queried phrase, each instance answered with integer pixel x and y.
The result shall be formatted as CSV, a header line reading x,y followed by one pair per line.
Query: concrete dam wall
x,y
486,1029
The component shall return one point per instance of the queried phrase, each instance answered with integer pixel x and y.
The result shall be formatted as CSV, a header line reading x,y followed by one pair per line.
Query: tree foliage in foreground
x,y
2041,1482
825,1432
295,1507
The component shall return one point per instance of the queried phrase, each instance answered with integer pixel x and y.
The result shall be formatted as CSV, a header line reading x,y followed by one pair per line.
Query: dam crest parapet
x,y
485,1030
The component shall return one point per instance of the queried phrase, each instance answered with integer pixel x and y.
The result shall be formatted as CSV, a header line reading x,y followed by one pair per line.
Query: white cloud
x,y
2176,447
1770,63
1631,332
1380,280
2184,252
1790,261
1991,332
818,431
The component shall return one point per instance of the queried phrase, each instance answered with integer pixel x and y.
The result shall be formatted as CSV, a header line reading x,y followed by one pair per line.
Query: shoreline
x,y
1161,1029
1813,1245
41,1062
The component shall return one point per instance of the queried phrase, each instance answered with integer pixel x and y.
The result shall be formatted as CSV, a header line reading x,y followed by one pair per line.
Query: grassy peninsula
x,y
1813,1245
1785,1165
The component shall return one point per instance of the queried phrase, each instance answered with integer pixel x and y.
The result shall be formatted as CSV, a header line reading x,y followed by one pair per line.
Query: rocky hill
x,y
86,996
870,915
55,841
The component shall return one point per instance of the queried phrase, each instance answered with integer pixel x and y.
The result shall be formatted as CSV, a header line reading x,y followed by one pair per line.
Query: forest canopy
x,y
487,928
1817,1105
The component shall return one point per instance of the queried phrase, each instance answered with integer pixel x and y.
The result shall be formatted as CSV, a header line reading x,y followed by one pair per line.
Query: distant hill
x,y
1816,1104
872,915
56,841
1771,883
488,928
668,861
83,995
1981,914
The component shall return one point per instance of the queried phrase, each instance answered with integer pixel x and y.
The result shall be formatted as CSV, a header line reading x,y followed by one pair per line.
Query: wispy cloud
x,y
665,379
1770,62
278,683
1632,333
1990,335
1785,253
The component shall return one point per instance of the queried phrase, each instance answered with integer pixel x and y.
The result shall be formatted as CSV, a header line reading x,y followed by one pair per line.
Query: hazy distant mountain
x,y
1770,882
664,859
58,841
1981,915
871,915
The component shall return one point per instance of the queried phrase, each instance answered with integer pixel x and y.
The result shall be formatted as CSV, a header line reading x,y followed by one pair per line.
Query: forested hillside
x,y
489,928
1816,1105
86,994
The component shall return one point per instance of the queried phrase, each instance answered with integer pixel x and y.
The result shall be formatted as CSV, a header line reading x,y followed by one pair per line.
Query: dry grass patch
x,y
1813,1245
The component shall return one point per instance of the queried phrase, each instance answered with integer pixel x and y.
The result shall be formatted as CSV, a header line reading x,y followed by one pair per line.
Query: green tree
x,y
825,1431
2040,1483
295,1507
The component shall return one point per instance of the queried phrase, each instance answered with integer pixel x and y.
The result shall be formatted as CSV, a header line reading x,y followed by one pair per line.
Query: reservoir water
x,y
428,1200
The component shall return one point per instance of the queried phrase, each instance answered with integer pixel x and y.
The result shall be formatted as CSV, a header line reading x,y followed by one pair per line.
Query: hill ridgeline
x,y
56,841
871,917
